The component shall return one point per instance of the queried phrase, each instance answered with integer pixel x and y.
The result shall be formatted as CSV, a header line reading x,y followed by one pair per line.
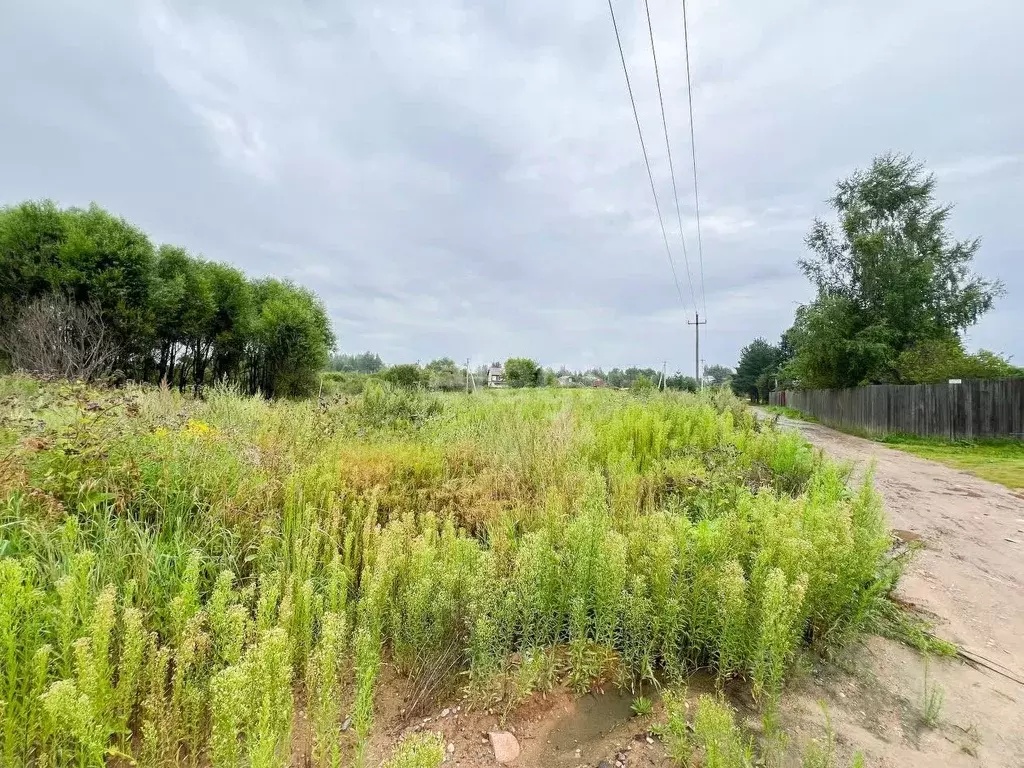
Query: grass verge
x,y
999,461
789,413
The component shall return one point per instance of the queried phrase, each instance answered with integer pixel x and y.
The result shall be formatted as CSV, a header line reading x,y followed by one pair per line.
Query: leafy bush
x,y
407,375
384,405
343,383
943,359
641,385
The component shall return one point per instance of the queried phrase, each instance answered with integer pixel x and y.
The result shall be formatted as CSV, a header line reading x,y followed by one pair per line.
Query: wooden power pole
x,y
697,323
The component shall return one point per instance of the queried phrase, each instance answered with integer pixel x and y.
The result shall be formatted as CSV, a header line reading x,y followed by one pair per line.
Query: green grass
x,y
789,413
714,739
1000,461
178,577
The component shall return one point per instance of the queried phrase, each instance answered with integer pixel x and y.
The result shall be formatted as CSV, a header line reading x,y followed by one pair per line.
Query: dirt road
x,y
969,579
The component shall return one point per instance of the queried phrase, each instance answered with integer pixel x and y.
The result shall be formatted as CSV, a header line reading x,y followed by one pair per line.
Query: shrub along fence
x,y
958,410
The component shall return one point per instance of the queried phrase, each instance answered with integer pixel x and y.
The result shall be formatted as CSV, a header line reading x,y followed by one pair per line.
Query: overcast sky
x,y
464,178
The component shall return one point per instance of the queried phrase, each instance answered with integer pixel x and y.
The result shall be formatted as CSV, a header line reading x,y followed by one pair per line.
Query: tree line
x,y
160,313
348,373
894,294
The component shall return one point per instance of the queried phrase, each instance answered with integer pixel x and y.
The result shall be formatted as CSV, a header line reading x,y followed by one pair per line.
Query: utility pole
x,y
467,375
661,384
697,323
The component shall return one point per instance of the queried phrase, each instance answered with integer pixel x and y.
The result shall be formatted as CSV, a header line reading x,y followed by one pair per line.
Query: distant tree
x,y
716,375
442,364
681,382
106,260
445,375
367,362
522,372
641,385
758,363
888,277
407,375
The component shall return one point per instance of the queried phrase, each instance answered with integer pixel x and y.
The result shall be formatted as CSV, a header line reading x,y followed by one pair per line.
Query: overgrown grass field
x,y
179,577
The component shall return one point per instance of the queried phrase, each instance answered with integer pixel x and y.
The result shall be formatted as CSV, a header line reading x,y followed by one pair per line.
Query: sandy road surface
x,y
970,579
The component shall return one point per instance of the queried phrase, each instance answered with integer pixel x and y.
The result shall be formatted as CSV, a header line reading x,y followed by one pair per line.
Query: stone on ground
x,y
505,746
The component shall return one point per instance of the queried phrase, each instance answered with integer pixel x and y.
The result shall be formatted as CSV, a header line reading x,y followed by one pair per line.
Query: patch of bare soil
x,y
554,730
969,580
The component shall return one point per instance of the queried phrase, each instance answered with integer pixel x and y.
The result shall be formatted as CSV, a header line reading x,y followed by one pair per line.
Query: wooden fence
x,y
974,408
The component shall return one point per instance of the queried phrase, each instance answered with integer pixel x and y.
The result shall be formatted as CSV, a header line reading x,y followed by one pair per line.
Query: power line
x,y
693,154
647,162
668,150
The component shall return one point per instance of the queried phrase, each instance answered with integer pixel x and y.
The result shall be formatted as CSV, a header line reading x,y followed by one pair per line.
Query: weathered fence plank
x,y
974,408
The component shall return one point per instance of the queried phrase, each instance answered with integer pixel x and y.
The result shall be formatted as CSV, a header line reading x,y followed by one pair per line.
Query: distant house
x,y
566,381
496,377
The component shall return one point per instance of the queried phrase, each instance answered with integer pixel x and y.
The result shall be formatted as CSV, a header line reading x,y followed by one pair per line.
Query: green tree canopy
x,y
758,363
442,365
367,362
939,360
888,276
445,375
86,254
716,375
681,382
292,339
174,316
522,372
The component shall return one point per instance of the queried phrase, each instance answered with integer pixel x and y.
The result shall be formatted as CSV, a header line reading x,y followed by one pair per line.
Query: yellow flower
x,y
195,427
160,432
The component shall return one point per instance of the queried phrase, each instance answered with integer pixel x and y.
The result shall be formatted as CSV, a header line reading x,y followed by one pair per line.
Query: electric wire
x,y
668,150
647,161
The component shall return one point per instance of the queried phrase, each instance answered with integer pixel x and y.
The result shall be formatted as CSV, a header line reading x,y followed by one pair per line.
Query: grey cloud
x,y
464,179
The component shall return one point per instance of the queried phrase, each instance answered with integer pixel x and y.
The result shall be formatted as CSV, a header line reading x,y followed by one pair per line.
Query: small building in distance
x,y
496,377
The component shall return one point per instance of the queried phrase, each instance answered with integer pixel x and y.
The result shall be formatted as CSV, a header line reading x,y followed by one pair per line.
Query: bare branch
x,y
58,337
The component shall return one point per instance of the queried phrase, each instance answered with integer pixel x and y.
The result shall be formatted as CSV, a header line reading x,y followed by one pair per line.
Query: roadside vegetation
x,y
180,577
1000,461
789,413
